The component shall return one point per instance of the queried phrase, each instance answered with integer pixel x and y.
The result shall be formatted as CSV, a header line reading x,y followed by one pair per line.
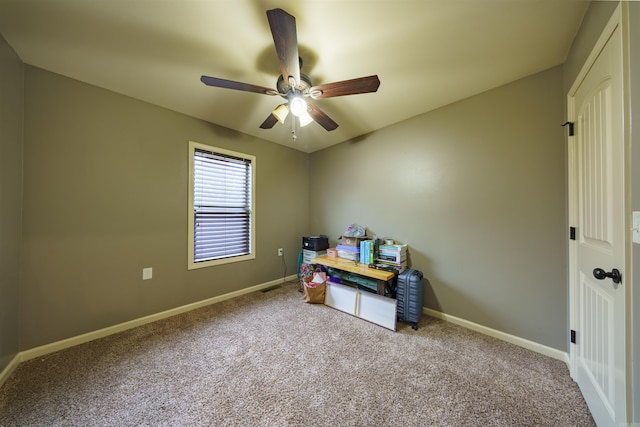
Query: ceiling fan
x,y
294,86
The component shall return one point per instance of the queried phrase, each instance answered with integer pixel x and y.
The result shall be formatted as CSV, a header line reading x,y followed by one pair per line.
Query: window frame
x,y
191,263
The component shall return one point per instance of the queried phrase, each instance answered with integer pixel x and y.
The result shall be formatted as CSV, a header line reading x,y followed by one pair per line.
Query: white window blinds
x,y
221,206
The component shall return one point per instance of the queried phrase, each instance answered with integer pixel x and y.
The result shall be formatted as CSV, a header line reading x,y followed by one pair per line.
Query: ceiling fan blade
x,y
269,122
230,84
283,29
321,118
346,87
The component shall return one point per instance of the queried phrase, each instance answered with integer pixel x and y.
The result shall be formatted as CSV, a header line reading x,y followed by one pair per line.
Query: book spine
x,y
391,257
366,252
395,248
371,251
395,264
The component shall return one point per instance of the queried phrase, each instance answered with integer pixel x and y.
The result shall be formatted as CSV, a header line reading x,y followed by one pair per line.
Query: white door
x,y
598,253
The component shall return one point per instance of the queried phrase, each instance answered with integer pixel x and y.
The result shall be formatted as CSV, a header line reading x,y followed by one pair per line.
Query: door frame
x,y
619,18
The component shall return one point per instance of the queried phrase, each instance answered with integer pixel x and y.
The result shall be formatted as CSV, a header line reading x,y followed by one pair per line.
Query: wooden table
x,y
381,276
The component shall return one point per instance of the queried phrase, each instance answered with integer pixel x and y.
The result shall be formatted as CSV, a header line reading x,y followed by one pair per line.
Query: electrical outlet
x,y
636,227
147,273
280,251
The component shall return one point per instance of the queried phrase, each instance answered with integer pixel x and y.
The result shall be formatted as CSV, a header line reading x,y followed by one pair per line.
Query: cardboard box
x,y
332,252
352,241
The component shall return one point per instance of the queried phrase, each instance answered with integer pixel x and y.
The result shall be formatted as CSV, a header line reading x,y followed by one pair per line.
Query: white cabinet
x,y
375,308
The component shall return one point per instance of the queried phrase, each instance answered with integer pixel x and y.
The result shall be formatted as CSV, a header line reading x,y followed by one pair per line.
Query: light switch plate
x,y
147,273
636,227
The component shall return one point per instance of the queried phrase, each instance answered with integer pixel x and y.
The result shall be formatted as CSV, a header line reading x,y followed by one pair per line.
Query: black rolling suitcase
x,y
410,296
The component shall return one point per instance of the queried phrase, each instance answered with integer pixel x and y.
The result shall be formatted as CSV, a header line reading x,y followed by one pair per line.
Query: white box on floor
x,y
375,308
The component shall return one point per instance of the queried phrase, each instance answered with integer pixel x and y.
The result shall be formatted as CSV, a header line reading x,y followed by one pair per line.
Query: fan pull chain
x,y
293,128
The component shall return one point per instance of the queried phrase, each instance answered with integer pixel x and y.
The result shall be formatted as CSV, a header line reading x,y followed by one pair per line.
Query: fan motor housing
x,y
284,87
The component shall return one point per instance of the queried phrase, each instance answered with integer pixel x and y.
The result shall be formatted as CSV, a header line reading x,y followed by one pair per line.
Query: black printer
x,y
315,243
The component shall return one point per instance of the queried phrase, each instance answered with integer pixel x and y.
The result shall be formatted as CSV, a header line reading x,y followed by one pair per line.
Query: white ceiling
x,y
427,53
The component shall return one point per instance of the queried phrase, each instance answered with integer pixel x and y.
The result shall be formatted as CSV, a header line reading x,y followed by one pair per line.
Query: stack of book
x,y
368,252
392,256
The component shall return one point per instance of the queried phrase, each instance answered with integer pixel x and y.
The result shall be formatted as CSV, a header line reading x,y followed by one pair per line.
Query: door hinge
x,y
572,233
573,336
570,124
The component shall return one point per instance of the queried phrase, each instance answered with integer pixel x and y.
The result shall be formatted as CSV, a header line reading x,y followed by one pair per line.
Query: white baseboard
x,y
569,361
521,342
101,333
8,370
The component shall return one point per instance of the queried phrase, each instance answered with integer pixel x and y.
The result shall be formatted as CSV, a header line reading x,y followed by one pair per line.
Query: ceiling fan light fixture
x,y
305,119
297,105
292,84
281,112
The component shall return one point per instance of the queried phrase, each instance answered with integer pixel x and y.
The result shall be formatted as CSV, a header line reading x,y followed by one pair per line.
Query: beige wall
x,y
11,120
105,194
477,190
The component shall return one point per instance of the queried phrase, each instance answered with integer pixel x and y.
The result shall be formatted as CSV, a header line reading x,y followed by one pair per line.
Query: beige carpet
x,y
268,359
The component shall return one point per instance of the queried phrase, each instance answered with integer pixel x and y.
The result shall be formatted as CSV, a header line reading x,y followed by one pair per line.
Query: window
x,y
221,206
